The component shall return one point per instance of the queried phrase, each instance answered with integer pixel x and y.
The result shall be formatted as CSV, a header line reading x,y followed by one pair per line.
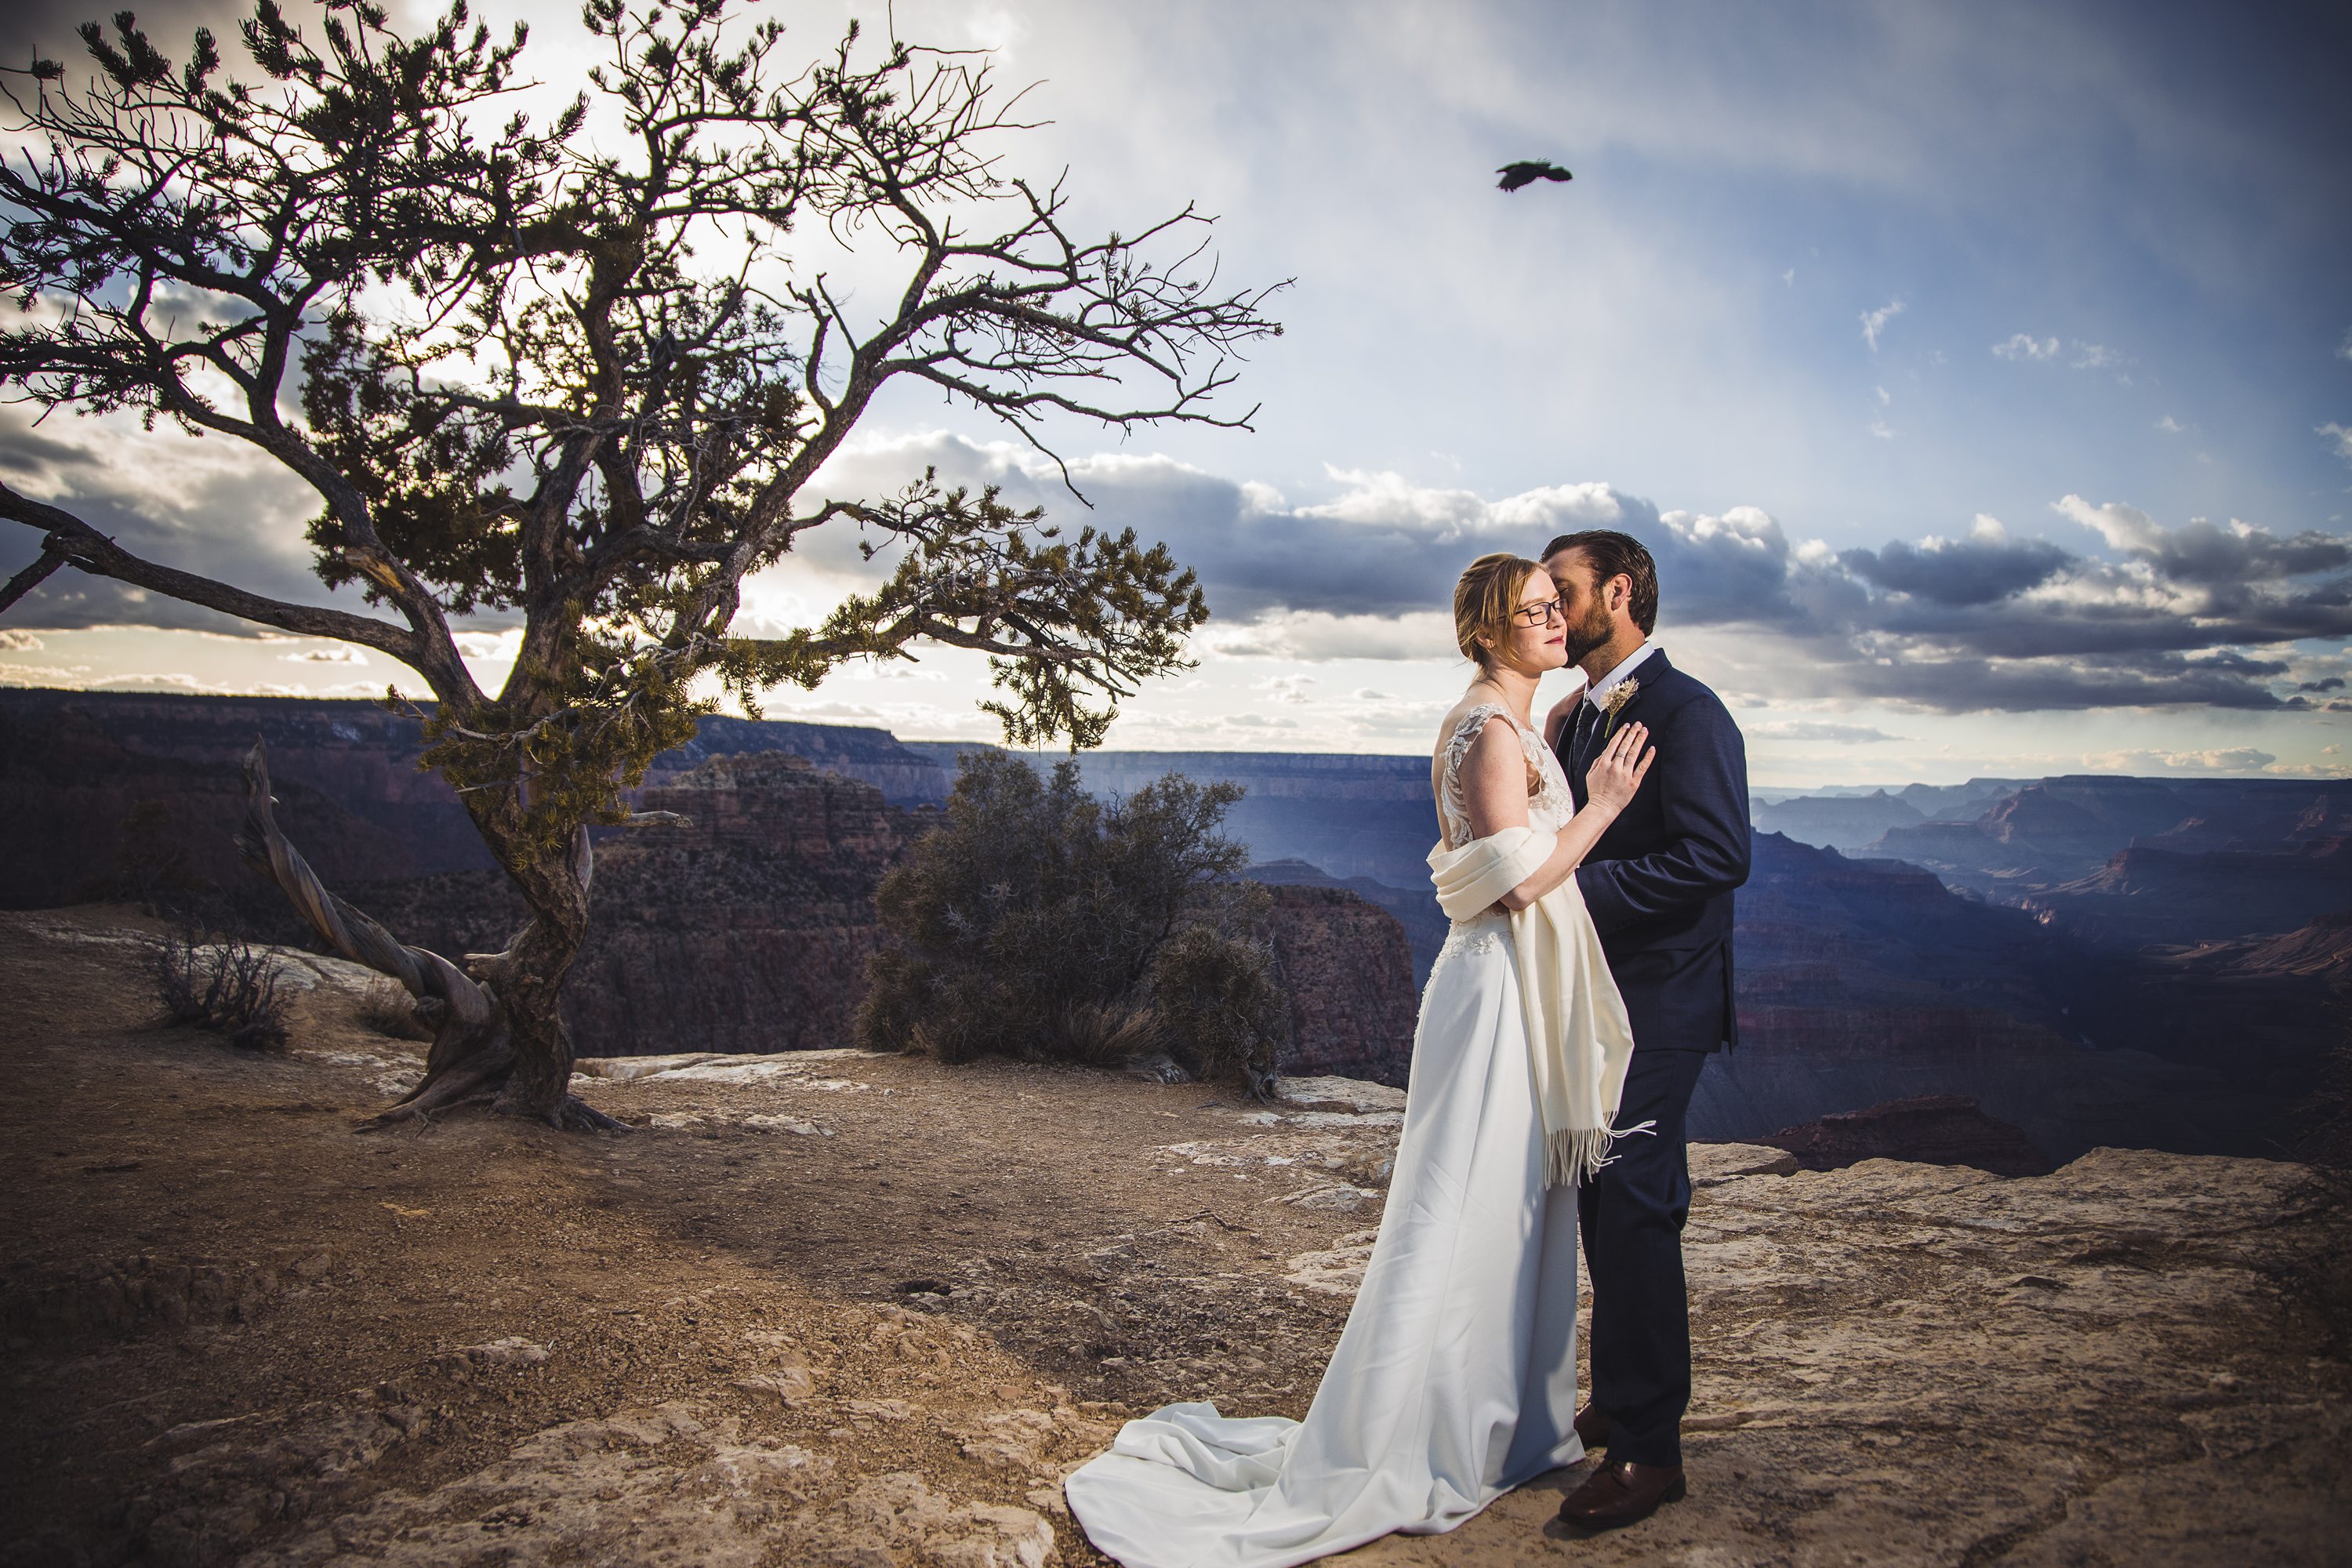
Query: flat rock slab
x,y
1920,1364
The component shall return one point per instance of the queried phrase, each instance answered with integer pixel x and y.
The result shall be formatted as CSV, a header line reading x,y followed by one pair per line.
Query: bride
x,y
1455,1378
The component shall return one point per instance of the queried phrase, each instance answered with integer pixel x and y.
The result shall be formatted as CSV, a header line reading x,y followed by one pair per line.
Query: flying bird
x,y
1527,172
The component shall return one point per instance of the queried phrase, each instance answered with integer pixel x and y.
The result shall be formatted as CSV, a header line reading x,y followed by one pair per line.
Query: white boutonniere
x,y
1614,703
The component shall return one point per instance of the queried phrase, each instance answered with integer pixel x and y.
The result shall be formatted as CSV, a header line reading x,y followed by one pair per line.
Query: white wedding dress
x,y
1455,1378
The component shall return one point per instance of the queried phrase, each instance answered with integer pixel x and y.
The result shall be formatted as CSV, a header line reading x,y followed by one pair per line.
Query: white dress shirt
x,y
1598,693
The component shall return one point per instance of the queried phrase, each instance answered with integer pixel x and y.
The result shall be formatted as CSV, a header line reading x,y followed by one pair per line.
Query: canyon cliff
x,y
2061,830
1348,970
2088,1018
747,931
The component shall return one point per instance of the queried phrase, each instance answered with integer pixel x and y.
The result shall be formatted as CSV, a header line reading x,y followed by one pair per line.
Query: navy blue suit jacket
x,y
1659,882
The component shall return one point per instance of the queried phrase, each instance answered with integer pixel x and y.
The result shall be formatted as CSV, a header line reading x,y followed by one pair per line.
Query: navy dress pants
x,y
1630,1218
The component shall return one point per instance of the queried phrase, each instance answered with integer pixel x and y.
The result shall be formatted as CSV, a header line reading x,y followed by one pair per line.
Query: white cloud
x,y
2339,439
2097,356
172,681
490,647
15,641
2343,349
1879,428
2218,760
2021,346
338,653
1820,730
823,711
42,674
1320,636
1288,687
1874,322
1789,279
1884,396
2123,527
2170,426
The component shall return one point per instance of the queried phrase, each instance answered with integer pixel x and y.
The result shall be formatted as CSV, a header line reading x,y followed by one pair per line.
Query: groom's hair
x,y
1615,555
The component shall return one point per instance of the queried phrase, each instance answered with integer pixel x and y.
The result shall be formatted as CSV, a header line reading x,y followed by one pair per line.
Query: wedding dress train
x,y
1454,1380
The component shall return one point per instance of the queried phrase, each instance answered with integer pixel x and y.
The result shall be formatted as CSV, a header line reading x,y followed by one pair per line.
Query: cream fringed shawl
x,y
1577,1030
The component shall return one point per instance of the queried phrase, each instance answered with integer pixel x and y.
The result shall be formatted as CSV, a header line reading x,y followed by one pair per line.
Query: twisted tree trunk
x,y
497,1032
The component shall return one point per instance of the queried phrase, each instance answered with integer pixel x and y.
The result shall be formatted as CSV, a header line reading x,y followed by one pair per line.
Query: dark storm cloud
x,y
212,512
1985,622
47,27
1961,571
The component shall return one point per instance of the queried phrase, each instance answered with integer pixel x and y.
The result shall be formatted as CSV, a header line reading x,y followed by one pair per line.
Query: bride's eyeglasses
x,y
1537,615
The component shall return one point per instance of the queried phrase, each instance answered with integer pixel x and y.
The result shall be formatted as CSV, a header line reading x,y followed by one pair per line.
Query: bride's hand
x,y
1618,770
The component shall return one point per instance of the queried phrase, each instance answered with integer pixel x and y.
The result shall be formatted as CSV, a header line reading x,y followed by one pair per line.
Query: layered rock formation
x,y
1354,1002
74,765
2062,829
1415,909
1861,980
2152,894
1932,1129
1864,981
89,782
905,776
2320,951
748,930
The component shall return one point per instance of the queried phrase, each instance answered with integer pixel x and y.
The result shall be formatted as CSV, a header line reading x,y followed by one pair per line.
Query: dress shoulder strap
x,y
1453,808
1471,725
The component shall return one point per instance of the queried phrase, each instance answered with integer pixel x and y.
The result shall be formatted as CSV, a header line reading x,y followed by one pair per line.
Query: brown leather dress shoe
x,y
1621,1492
1592,1425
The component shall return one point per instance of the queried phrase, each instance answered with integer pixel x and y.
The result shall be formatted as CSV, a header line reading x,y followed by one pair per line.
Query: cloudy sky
x,y
1981,376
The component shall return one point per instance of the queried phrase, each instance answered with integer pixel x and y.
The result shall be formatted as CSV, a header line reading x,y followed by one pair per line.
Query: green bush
x,y
1036,921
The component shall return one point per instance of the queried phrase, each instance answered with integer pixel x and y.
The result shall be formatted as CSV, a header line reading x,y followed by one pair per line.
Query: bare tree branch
x,y
71,540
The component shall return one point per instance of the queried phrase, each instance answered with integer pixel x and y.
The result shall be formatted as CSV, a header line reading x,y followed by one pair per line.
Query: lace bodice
x,y
1549,805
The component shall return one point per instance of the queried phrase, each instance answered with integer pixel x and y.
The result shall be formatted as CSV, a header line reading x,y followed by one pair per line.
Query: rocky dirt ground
x,y
865,1312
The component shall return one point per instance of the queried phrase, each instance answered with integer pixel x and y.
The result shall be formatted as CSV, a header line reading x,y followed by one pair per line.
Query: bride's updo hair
x,y
1484,600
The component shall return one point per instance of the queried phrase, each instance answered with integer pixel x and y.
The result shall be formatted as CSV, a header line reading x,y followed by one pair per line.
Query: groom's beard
x,y
1594,631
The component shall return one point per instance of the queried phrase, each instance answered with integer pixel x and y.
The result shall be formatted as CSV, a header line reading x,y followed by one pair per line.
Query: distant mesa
x,y
1839,822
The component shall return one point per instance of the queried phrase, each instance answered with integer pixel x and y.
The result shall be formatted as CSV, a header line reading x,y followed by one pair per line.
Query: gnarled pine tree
x,y
570,376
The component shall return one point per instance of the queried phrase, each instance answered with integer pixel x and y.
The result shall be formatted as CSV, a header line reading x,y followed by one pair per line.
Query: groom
x,y
1659,886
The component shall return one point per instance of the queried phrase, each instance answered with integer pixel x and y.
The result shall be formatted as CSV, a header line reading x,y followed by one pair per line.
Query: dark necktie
x,y
1579,745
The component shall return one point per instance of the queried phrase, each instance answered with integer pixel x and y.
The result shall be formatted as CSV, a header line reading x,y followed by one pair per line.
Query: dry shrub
x,y
1217,991
386,1007
222,983
1109,1034
1036,921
